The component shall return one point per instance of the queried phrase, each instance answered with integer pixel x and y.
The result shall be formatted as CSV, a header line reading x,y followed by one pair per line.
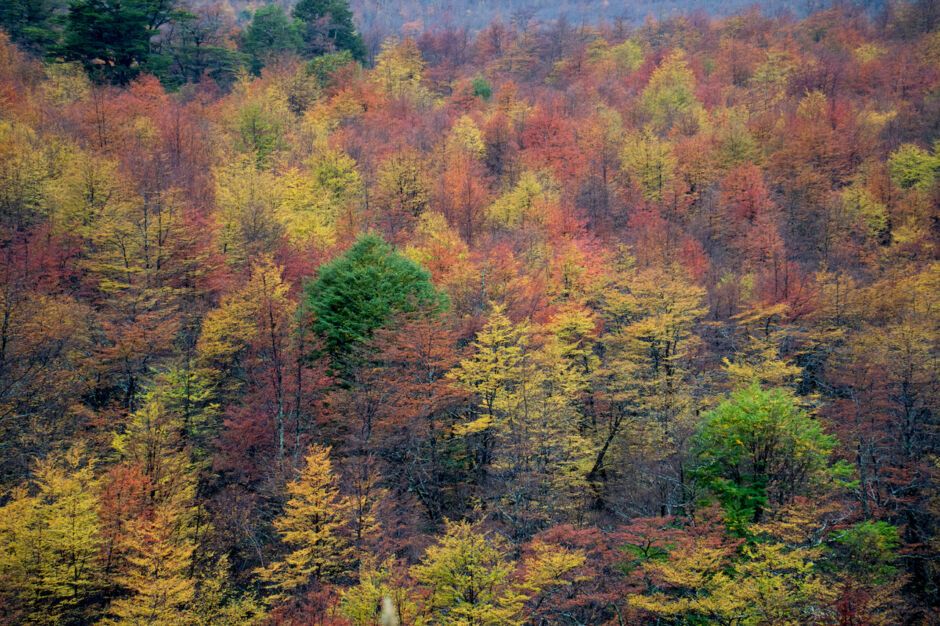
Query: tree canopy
x,y
305,319
363,289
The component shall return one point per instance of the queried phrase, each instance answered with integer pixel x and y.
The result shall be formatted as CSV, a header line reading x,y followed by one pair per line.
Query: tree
x,y
911,166
403,189
669,97
644,381
139,253
626,57
870,548
759,448
695,572
482,88
154,536
24,165
779,584
602,139
197,45
524,204
492,375
736,145
45,332
260,123
397,409
887,377
867,554
470,580
219,602
339,187
112,38
252,325
50,542
325,67
153,442
416,406
30,22
307,211
327,26
399,69
680,569
247,203
759,362
361,290
698,580
650,163
436,245
523,437
382,596
463,184
313,526
678,222
270,33
158,570
746,202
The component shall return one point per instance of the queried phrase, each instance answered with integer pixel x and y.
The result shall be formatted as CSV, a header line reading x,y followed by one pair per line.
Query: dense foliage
x,y
179,41
362,290
539,325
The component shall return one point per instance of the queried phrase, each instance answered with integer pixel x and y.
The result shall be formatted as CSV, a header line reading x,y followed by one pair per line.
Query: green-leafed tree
x,y
30,22
361,290
198,46
325,66
112,38
912,166
759,448
327,26
271,33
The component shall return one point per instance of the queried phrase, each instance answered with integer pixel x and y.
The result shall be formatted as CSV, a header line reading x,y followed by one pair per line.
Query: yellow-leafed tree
x,y
494,370
50,542
314,526
525,432
399,70
159,561
650,163
669,97
157,546
471,581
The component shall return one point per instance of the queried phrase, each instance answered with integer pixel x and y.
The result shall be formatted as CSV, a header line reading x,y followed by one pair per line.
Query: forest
x,y
540,323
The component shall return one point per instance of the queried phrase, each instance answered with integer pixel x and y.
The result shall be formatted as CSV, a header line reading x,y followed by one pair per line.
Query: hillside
x,y
525,324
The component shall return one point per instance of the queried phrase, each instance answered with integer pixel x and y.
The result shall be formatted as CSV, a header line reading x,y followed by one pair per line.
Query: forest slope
x,y
542,325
